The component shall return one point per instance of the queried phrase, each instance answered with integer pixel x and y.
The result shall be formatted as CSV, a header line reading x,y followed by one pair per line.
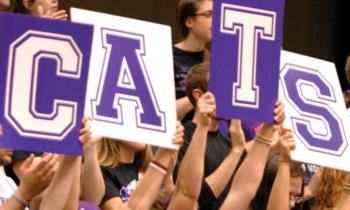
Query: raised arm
x,y
249,174
219,179
191,170
279,196
36,173
163,163
93,187
58,192
183,106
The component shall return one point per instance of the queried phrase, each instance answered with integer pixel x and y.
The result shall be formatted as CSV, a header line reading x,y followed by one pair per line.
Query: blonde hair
x,y
108,151
330,189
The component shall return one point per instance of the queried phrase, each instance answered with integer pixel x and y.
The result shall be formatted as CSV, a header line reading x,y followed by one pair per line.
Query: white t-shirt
x,y
7,186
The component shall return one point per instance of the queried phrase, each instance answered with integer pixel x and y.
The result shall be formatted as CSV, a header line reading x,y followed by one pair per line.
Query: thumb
x,y
28,161
40,11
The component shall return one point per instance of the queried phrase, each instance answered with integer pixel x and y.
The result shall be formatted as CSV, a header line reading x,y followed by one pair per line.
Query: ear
x,y
197,93
189,22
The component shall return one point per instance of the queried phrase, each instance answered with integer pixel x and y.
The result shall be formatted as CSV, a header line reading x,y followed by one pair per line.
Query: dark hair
x,y
197,78
262,195
187,9
20,8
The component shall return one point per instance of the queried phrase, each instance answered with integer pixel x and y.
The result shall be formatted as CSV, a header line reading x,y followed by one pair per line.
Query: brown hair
x,y
108,151
329,189
197,78
187,9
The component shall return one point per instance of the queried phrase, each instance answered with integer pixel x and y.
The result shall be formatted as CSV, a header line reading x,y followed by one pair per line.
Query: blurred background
x,y
317,28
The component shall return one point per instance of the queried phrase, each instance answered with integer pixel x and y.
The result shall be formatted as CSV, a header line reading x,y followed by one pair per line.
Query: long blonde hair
x,y
108,151
330,189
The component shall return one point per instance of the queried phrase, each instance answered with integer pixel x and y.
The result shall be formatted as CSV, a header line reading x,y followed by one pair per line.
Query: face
x,y
295,190
133,145
4,4
47,6
200,24
5,156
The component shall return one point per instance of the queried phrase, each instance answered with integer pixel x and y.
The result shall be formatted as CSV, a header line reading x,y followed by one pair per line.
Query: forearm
x,y
93,187
219,179
192,166
279,196
74,193
247,178
13,203
183,106
58,190
147,190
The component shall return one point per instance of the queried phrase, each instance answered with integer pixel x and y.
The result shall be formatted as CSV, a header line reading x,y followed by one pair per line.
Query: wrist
x,y
23,196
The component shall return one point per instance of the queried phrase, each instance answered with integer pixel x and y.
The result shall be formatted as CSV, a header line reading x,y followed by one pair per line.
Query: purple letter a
x,y
125,84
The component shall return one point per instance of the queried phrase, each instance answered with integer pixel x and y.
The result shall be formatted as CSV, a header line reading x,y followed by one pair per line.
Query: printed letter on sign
x,y
26,54
250,25
244,67
318,125
125,80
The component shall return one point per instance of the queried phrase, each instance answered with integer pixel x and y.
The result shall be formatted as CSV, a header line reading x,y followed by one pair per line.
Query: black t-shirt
x,y
120,181
217,149
183,61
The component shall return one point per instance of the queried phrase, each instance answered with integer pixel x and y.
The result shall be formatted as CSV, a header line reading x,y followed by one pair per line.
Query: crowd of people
x,y
215,167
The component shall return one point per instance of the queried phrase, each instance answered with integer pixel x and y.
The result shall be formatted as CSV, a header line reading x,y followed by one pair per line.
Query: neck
x,y
126,154
213,123
191,44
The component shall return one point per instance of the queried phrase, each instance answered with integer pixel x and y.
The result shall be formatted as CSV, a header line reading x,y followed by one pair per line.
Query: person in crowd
x,y
195,20
159,170
123,164
273,192
4,4
41,8
329,188
221,158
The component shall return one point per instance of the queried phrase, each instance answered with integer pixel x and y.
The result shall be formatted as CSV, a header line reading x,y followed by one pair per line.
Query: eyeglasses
x,y
207,14
296,198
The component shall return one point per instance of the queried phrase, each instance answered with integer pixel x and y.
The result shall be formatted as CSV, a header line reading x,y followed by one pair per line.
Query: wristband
x,y
263,139
20,200
158,168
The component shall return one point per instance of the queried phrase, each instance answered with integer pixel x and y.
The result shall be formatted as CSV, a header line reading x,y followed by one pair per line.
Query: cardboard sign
x,y
43,67
130,93
315,110
247,37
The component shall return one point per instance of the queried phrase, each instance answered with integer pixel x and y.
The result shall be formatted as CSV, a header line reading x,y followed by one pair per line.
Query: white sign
x,y
315,111
130,94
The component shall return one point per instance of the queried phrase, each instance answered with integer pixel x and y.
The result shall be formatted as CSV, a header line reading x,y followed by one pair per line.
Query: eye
x,y
206,14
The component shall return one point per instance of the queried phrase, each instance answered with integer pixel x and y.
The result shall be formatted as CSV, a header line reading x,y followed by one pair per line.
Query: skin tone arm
x,y
148,189
58,192
93,187
279,197
249,175
191,170
183,106
37,174
219,179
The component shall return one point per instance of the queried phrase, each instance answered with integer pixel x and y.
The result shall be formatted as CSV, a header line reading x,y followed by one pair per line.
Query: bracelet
x,y
264,137
20,200
346,188
160,165
285,160
158,168
262,140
